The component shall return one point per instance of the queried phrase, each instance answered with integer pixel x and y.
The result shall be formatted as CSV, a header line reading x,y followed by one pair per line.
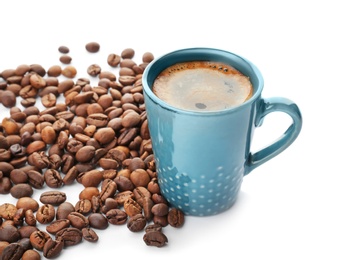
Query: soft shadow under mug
x,y
202,157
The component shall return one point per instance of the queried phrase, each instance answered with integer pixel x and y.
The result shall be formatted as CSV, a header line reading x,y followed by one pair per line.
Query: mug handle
x,y
267,106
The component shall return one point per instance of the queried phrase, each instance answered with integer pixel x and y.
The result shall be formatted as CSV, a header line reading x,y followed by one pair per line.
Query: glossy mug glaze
x,y
202,157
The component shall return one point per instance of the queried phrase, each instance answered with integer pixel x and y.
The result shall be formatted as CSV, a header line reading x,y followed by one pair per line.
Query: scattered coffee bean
x,y
98,136
92,47
63,49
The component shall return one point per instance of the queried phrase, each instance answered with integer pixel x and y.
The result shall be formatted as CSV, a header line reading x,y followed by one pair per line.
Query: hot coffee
x,y
202,86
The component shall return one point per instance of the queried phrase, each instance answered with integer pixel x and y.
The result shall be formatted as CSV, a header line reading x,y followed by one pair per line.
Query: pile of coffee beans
x,y
97,139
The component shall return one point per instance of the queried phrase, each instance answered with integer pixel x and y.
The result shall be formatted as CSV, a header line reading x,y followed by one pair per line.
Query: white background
x,y
288,208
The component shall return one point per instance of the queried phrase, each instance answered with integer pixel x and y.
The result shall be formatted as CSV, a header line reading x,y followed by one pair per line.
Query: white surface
x,y
289,208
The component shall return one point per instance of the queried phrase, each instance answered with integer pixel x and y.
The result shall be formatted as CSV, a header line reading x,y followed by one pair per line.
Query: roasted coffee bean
x,y
155,238
25,243
109,203
124,184
113,60
53,178
136,223
65,59
30,218
92,47
70,176
27,203
57,225
108,189
31,255
26,231
122,196
52,248
78,220
116,216
8,98
85,153
132,207
45,214
35,179
7,211
153,227
89,234
5,185
160,209
13,251
161,220
18,218
147,208
94,70
38,239
21,190
64,209
71,236
63,49
9,233
88,193
140,178
83,206
52,197
97,119
127,53
175,217
98,221
69,71
91,178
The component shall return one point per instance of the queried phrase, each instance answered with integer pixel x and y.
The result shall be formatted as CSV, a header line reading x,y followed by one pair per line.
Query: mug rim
x,y
201,50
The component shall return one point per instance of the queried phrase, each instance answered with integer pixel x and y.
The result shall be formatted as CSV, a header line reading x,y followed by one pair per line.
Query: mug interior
x,y
201,54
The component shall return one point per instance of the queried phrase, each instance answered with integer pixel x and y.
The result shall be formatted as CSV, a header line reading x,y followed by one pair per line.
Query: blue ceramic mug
x,y
202,157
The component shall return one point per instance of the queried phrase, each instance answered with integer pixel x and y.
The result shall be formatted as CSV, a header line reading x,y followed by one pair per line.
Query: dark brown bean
x,y
155,238
92,47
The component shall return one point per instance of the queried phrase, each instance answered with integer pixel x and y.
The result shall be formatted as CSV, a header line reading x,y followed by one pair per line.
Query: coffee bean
x,y
71,236
64,209
27,203
175,217
52,197
65,59
9,233
116,216
136,223
63,49
30,218
26,231
113,60
8,99
21,190
98,221
31,255
7,211
155,238
127,53
52,248
92,47
53,178
89,234
38,239
94,70
78,220
57,225
13,251
83,206
45,214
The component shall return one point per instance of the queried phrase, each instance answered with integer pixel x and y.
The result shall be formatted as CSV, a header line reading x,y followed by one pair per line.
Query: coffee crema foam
x,y
202,86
